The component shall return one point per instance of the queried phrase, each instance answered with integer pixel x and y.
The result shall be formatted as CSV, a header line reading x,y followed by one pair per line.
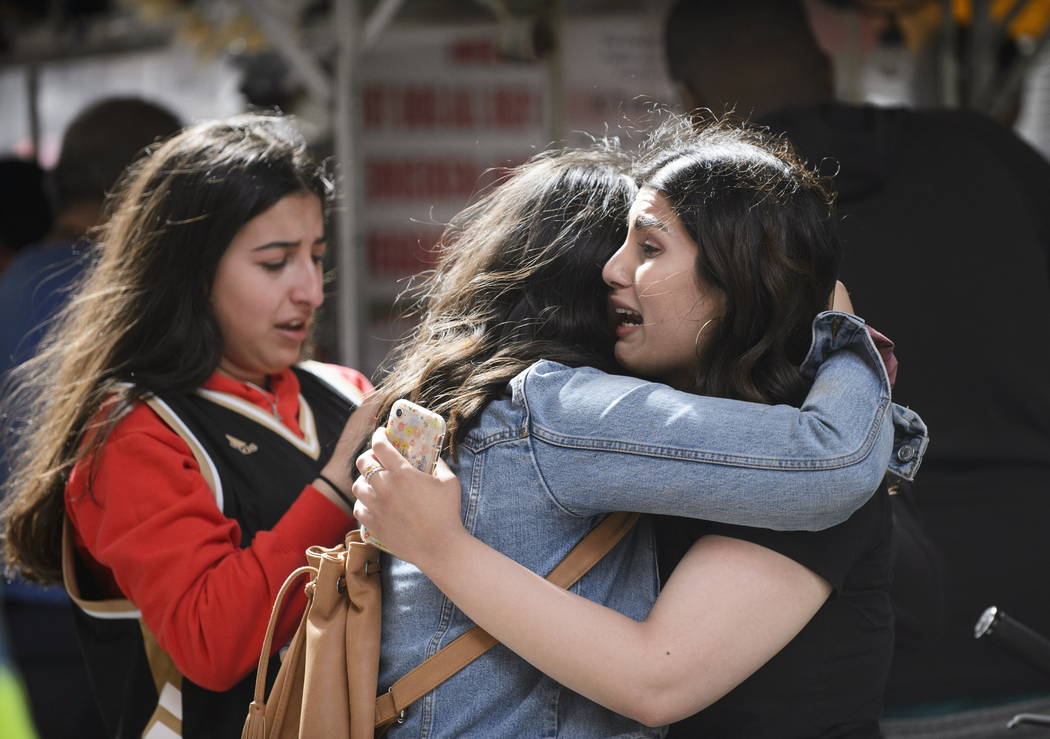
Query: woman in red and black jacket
x,y
171,423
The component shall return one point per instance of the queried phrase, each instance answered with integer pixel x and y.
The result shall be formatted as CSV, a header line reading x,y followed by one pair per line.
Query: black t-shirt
x,y
829,681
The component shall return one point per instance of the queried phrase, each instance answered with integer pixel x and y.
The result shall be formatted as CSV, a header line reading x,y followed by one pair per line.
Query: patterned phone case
x,y
418,434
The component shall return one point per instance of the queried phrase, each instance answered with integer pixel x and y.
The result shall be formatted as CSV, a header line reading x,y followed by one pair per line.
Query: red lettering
x,y
513,107
438,106
372,103
420,179
461,109
419,107
473,51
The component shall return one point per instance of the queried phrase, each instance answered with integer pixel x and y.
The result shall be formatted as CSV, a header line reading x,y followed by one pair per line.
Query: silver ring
x,y
371,471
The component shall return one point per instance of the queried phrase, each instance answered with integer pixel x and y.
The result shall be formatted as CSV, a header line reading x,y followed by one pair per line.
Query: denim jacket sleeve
x,y
605,442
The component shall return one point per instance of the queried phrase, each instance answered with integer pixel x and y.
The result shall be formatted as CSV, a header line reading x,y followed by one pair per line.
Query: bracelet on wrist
x,y
337,490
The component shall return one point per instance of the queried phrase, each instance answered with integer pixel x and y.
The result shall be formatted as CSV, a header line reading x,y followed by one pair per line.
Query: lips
x,y
297,328
625,320
628,317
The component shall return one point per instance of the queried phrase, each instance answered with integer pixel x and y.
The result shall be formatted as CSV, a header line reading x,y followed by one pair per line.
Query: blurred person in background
x,y
97,145
25,214
945,221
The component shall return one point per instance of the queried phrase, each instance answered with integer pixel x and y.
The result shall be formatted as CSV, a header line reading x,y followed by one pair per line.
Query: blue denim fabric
x,y
565,446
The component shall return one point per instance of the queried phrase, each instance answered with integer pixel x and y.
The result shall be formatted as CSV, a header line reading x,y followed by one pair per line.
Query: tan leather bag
x,y
326,686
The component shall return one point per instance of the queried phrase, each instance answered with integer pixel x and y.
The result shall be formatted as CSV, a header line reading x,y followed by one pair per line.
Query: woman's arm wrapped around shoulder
x,y
773,466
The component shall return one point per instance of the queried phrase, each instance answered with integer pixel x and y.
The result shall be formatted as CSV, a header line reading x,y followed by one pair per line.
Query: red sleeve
x,y
151,519
357,379
351,377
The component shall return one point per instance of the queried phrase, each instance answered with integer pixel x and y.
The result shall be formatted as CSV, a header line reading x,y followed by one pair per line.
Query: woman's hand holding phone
x,y
412,513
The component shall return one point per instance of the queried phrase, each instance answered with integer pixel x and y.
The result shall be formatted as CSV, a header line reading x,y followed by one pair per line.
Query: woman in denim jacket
x,y
544,449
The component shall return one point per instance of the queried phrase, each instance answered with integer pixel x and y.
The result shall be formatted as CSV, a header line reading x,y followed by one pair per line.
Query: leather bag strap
x,y
264,655
475,642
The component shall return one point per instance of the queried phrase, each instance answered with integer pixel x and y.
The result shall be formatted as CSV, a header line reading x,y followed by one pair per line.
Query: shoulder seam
x,y
334,380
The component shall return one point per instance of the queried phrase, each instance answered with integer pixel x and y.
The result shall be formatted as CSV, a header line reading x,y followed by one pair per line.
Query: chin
x,y
633,367
283,362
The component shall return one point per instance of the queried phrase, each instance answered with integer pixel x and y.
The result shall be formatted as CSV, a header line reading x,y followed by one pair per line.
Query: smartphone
x,y
418,434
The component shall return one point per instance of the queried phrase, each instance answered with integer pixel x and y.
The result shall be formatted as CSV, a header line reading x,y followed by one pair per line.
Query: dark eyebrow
x,y
277,245
287,244
648,222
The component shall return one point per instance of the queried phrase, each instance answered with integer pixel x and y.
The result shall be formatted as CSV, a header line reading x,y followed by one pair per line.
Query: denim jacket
x,y
565,446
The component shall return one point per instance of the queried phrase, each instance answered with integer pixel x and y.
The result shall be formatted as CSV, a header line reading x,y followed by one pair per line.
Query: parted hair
x,y
767,238
518,279
140,320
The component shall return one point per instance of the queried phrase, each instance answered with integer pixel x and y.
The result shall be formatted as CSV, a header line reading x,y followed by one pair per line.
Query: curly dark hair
x,y
767,237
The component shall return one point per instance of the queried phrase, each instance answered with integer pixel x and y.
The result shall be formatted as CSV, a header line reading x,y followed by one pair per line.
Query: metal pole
x,y
347,134
982,54
1011,16
948,61
556,73
1012,83
33,102
854,84
379,20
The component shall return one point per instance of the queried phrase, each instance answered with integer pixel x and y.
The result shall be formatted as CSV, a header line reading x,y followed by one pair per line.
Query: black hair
x,y
767,239
142,314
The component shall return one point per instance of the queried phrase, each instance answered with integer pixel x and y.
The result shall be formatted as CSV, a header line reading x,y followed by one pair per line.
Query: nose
x,y
308,288
615,272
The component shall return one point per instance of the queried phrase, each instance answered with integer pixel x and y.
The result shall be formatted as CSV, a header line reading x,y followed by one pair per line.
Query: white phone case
x,y
418,434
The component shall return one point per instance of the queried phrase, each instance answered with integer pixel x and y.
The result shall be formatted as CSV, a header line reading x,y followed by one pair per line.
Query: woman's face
x,y
268,287
660,305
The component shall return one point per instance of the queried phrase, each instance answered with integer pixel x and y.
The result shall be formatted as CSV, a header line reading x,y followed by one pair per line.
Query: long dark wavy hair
x,y
140,320
766,231
518,279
